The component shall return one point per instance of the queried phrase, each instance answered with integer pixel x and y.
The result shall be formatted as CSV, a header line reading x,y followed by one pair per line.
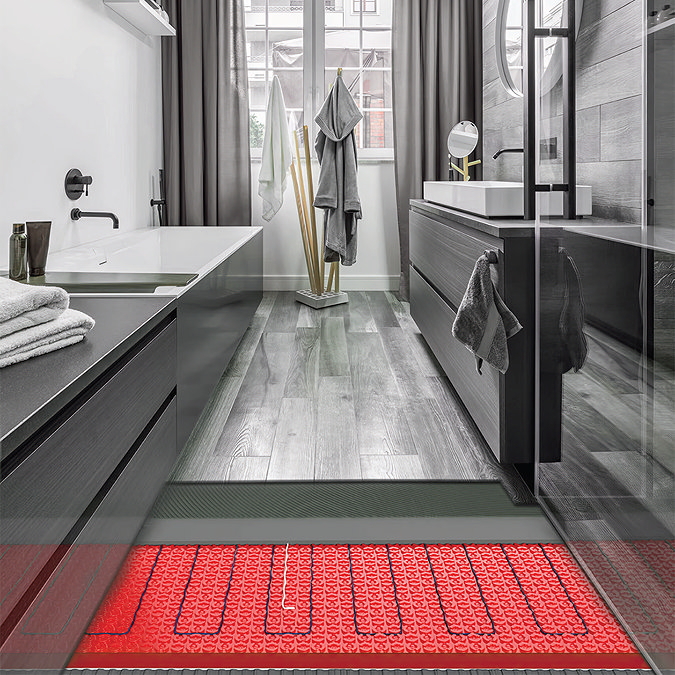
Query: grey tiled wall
x,y
609,109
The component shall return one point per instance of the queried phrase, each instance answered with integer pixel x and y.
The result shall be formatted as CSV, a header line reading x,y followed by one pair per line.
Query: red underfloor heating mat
x,y
354,606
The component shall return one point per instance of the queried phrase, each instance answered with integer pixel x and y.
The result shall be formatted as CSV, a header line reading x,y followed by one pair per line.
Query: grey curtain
x,y
206,123
437,81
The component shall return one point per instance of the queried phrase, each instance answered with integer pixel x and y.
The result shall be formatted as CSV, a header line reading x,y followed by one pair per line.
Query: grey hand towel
x,y
337,192
574,345
68,328
483,322
23,306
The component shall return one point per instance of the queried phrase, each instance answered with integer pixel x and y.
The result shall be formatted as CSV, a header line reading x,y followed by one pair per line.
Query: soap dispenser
x,y
17,253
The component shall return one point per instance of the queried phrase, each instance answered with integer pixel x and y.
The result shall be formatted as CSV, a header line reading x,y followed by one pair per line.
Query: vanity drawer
x,y
446,255
480,393
52,625
48,492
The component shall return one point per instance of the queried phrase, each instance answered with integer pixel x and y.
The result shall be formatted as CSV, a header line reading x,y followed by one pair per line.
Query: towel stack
x,y
36,320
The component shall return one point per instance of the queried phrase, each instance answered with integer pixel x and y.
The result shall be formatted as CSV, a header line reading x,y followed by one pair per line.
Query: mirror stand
x,y
465,163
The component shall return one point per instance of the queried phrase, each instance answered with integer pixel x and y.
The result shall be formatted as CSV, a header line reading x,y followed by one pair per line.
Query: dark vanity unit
x,y
444,246
88,437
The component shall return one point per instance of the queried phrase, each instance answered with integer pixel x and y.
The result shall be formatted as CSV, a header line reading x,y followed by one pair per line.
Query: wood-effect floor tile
x,y
411,382
303,372
357,314
381,310
439,454
336,449
333,359
284,315
294,441
346,392
391,467
194,462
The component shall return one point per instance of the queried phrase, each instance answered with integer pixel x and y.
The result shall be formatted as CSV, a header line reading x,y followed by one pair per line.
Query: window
x,y
279,33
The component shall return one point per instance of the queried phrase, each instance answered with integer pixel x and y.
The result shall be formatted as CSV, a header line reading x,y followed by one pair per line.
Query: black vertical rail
x,y
569,115
529,110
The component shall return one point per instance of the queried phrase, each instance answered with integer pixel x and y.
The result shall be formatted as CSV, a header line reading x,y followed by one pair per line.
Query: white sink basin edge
x,y
500,199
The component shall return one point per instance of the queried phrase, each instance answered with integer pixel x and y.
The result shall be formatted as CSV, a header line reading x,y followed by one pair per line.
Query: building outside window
x,y
354,35
365,6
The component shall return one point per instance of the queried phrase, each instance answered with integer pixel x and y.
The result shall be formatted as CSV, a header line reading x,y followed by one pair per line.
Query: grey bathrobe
x,y
337,192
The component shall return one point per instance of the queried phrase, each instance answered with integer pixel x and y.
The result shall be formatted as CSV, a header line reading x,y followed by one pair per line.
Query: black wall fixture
x,y
76,184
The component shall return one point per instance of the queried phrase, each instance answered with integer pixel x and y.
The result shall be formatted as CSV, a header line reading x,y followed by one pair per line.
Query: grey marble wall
x,y
609,109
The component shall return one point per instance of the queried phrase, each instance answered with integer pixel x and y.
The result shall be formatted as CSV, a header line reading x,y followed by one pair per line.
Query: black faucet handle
x,y
76,184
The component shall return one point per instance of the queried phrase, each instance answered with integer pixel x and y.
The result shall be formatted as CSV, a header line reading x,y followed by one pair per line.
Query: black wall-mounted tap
x,y
503,150
76,214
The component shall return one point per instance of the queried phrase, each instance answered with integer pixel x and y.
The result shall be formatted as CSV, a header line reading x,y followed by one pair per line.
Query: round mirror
x,y
509,30
462,139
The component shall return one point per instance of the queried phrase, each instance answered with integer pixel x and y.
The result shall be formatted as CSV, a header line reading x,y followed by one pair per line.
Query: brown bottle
x,y
17,253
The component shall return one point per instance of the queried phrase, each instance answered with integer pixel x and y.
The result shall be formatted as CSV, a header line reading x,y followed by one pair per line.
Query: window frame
x,y
313,71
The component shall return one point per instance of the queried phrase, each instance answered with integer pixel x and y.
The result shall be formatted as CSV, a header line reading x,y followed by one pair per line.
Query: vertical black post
x,y
529,110
569,115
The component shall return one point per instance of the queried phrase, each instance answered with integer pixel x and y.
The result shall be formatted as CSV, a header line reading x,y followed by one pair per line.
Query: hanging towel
x,y
23,306
337,193
67,329
277,154
483,322
574,347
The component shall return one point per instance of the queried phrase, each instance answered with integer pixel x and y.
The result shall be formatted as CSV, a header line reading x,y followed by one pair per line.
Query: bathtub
x,y
154,253
221,290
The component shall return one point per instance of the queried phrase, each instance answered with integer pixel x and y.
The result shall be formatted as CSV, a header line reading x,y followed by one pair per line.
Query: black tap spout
x,y
76,214
503,150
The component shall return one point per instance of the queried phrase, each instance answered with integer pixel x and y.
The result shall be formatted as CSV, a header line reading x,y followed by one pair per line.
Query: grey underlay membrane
x,y
350,512
351,499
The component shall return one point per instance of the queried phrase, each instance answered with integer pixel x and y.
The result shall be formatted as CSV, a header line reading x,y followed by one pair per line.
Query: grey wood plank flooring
x,y
333,359
303,372
344,393
337,452
294,442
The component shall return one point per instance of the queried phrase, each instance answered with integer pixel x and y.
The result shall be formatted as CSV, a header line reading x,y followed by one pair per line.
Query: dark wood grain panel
x,y
49,491
480,393
446,255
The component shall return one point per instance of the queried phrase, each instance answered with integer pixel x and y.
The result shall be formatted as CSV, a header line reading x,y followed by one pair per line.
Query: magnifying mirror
x,y
462,139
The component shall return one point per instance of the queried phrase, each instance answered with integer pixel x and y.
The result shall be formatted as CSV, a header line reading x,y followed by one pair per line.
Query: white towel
x,y
23,306
277,154
67,329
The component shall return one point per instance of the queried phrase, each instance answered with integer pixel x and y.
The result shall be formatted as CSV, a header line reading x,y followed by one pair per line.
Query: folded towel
x,y
23,306
574,345
277,154
67,329
483,322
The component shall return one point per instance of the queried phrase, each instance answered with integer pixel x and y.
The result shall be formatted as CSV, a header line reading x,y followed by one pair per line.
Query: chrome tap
x,y
503,150
76,214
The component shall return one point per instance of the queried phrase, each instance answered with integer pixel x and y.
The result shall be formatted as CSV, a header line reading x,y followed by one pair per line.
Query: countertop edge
x,y
37,418
497,228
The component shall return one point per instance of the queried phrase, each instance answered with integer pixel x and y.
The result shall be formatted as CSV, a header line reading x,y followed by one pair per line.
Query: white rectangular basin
x,y
500,199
